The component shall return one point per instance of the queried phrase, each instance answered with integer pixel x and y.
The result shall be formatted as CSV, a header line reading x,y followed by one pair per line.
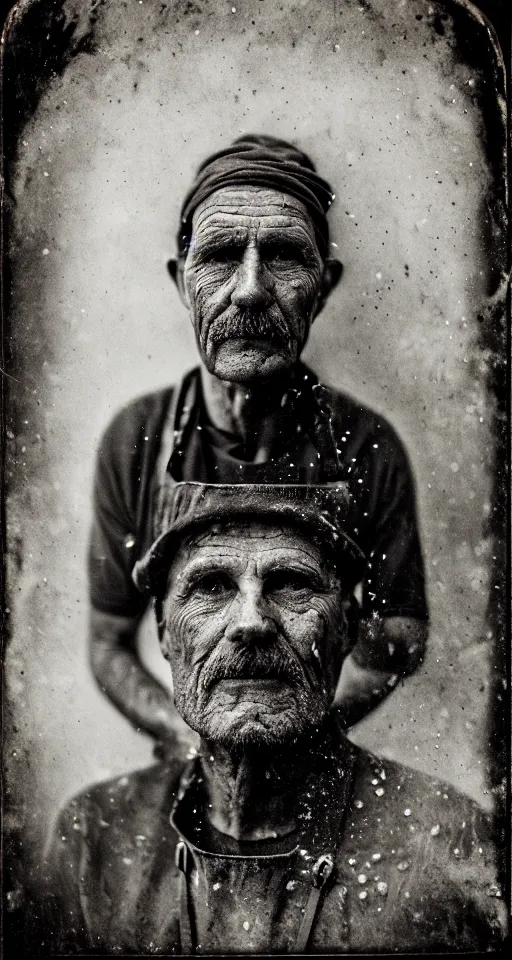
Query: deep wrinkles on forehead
x,y
237,549
253,210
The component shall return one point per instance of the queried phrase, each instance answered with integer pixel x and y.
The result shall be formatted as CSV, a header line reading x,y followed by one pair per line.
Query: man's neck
x,y
260,795
250,411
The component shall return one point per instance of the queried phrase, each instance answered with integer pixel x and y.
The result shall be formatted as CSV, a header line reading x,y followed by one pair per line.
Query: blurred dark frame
x,y
41,50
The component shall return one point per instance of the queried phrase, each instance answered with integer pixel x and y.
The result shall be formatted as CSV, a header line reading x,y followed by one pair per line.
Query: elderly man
x,y
279,835
254,269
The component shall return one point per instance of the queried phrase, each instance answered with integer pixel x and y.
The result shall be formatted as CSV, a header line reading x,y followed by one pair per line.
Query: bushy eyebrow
x,y
272,239
203,566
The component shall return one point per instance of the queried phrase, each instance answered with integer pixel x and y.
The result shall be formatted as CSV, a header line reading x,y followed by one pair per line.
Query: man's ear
x,y
333,270
331,276
175,269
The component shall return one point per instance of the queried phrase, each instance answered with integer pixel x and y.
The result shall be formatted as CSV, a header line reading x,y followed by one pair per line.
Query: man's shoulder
x,y
354,419
135,419
421,851
418,800
142,795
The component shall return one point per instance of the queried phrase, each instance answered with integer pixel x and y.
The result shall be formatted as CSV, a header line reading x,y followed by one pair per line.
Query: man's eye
x,y
225,255
284,253
213,584
291,581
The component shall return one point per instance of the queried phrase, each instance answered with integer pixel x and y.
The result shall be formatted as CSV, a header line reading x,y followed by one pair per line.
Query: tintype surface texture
x,y
401,107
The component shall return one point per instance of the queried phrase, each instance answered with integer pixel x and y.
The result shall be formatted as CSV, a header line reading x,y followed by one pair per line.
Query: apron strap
x,y
321,874
187,923
171,445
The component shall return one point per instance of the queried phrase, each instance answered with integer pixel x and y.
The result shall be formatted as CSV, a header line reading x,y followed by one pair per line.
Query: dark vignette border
x,y
38,44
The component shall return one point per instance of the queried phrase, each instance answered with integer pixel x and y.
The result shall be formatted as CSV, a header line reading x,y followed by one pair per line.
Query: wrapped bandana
x,y
261,161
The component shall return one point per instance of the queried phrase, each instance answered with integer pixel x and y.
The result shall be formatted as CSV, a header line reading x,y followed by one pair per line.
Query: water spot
x,y
494,891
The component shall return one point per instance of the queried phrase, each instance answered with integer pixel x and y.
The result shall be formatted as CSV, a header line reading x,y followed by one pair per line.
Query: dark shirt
x,y
413,869
372,460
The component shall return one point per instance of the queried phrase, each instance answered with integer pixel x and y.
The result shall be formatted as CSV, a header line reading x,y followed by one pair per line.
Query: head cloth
x,y
261,161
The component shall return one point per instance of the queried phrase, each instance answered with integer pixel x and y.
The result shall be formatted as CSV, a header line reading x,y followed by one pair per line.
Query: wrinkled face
x,y
254,631
252,281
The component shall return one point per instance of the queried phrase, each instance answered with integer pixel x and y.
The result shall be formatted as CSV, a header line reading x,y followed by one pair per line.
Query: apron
x,y
179,421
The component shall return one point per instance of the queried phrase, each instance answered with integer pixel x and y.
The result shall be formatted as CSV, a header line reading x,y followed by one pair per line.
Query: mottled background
x,y
400,105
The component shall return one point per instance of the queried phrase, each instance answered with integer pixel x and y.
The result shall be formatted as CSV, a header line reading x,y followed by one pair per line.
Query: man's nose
x,y
250,291
251,623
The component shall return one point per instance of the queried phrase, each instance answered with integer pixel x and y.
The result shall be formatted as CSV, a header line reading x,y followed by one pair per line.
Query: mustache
x,y
255,663
236,324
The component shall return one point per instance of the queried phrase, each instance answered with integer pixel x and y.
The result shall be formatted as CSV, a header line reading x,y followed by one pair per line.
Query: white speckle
x,y
382,888
379,275
375,782
376,856
379,792
435,830
216,886
351,861
403,865
246,924
46,174
359,804
127,861
407,812
196,32
291,884
363,894
362,878
45,252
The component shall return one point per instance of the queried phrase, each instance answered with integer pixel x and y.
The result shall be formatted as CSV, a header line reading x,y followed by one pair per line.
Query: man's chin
x,y
270,716
242,361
